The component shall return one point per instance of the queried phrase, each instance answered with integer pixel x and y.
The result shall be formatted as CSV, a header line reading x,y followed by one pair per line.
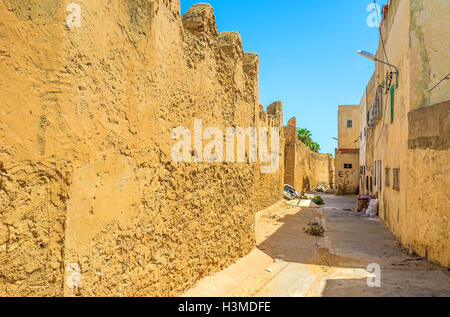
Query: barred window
x,y
396,179
349,123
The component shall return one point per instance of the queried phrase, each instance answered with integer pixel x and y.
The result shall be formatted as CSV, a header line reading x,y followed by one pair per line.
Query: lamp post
x,y
375,59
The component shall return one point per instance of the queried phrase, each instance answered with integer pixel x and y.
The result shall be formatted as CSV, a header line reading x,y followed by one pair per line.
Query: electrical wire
x,y
381,35
390,67
445,78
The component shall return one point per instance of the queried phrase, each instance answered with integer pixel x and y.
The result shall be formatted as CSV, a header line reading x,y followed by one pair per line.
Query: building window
x,y
375,173
387,177
362,170
379,170
396,179
367,182
349,123
348,166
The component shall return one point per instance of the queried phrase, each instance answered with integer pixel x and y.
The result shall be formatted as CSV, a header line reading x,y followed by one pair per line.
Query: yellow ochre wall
x,y
348,138
87,180
347,179
305,169
416,34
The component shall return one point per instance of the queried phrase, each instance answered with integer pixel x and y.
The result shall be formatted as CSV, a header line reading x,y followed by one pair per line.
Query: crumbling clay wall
x,y
426,229
305,169
91,202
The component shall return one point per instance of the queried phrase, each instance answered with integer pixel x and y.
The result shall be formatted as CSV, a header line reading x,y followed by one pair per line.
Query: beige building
x,y
348,125
347,154
407,144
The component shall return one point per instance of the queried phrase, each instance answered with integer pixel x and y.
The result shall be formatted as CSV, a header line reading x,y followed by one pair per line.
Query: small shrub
x,y
318,200
314,229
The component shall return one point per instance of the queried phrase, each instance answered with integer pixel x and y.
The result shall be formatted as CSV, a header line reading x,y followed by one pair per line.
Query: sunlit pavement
x,y
289,262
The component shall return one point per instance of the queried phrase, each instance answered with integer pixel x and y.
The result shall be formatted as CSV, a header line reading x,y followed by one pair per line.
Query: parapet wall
x,y
91,203
305,169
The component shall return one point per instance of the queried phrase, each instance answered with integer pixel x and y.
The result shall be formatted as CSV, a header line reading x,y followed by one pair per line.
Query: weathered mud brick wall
x,y
428,201
268,184
88,191
305,169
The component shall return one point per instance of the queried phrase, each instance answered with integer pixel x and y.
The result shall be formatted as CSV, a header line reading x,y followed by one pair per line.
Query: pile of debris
x,y
290,193
301,199
323,187
368,205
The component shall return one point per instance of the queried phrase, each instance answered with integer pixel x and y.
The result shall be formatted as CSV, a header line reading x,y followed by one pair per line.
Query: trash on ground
x,y
291,194
368,205
323,187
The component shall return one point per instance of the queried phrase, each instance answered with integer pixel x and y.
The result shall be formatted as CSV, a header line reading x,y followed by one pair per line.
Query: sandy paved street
x,y
334,265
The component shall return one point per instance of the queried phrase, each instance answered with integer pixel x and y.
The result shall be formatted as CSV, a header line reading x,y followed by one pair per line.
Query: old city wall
x,y
87,183
305,169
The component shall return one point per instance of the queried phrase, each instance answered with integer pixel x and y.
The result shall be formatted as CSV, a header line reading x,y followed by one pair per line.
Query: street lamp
x,y
375,59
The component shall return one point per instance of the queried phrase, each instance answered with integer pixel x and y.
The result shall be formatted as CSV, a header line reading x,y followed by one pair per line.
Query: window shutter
x,y
392,103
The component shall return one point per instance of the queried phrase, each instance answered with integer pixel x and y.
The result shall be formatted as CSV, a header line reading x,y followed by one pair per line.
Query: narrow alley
x,y
177,149
290,263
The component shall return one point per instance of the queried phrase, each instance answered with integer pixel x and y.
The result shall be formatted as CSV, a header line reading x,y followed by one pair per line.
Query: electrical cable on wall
x,y
381,35
440,82
387,58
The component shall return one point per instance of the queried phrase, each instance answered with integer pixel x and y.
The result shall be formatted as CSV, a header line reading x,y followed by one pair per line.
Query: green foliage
x,y
318,200
305,136
315,147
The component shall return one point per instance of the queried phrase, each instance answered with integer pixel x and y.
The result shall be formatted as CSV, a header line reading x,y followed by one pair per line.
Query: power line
x,y
390,68
381,35
445,78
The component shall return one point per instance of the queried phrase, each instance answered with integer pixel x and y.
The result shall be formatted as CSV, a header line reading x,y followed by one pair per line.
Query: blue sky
x,y
307,53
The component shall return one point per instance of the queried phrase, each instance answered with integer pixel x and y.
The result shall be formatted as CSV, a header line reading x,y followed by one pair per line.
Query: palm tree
x,y
305,136
315,147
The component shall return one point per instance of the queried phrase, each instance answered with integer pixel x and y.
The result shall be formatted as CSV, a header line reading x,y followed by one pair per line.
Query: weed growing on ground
x,y
314,229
